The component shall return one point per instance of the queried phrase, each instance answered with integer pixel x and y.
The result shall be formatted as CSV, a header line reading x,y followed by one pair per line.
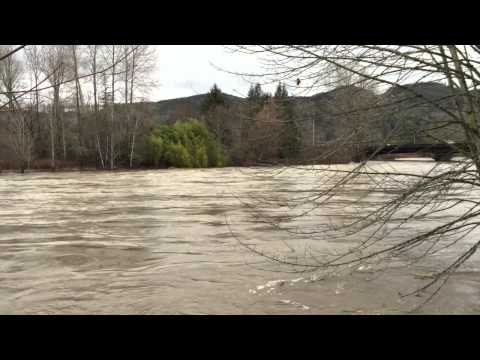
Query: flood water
x,y
157,242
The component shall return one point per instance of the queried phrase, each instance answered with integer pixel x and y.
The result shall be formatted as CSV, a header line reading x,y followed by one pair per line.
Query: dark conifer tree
x,y
290,142
214,98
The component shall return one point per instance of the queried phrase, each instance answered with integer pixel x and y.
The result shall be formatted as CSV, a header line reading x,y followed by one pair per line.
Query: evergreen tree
x,y
281,91
214,98
255,93
257,97
290,137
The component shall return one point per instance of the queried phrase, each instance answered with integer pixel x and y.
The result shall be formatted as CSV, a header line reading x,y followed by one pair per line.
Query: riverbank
x,y
77,168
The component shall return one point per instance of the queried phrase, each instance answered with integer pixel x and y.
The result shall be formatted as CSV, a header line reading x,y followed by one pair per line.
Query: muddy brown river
x,y
157,242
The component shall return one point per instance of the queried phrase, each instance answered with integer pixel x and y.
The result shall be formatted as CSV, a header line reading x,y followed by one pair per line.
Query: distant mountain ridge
x,y
429,90
190,106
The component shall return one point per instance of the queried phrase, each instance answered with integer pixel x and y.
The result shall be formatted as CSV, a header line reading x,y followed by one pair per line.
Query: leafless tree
x,y
19,137
53,67
442,197
112,129
93,51
34,64
139,65
10,74
79,101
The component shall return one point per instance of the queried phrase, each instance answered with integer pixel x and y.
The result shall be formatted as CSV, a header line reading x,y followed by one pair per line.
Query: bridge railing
x,y
439,151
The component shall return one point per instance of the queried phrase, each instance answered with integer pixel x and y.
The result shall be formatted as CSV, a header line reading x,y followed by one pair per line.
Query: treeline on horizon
x,y
87,110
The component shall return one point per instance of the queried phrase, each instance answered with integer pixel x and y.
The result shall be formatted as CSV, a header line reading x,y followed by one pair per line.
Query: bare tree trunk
x,y
33,62
100,151
113,111
23,144
64,144
77,104
132,76
133,141
52,140
37,102
95,102
107,147
126,85
126,75
37,114
53,121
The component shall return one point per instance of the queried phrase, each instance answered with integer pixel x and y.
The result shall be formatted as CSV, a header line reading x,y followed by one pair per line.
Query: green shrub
x,y
202,157
185,144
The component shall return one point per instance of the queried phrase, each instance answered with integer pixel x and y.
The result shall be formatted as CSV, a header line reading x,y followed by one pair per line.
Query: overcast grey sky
x,y
185,70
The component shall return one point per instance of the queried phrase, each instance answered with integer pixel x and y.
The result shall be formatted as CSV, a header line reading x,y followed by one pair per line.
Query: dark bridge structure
x,y
439,152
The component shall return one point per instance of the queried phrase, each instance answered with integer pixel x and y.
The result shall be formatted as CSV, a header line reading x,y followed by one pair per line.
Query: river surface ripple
x,y
157,242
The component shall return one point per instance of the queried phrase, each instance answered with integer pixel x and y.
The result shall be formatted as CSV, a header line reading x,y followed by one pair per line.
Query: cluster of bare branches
x,y
39,85
385,201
